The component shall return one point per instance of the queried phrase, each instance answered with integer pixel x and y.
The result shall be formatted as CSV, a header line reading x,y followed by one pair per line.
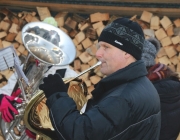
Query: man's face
x,y
111,57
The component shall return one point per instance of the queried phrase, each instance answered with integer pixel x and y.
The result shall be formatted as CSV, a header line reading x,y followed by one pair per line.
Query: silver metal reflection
x,y
48,44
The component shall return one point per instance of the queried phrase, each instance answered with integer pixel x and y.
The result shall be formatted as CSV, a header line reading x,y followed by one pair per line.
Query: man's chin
x,y
103,71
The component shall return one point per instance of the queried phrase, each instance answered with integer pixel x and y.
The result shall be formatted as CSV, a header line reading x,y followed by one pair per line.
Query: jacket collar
x,y
129,73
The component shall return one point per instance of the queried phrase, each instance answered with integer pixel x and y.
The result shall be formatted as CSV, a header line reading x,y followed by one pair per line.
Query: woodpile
x,y
85,32
167,31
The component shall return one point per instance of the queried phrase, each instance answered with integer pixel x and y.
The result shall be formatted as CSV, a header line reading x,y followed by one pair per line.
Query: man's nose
x,y
98,53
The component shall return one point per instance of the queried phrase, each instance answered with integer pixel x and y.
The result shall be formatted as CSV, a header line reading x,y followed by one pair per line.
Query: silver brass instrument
x,y
49,46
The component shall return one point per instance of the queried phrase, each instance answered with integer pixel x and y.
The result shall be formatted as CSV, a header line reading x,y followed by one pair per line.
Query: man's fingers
x,y
45,79
41,86
9,98
18,100
16,93
5,116
58,77
13,109
48,78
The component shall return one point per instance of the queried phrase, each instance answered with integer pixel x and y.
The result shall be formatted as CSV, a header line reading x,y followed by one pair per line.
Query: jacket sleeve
x,y
101,122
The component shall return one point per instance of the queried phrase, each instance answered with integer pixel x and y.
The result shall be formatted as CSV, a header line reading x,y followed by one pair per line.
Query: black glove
x,y
53,84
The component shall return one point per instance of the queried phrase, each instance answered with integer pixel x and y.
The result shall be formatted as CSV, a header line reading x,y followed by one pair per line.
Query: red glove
x,y
16,93
30,134
6,106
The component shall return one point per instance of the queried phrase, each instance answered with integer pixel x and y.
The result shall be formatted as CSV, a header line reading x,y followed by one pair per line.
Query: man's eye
x,y
101,46
105,47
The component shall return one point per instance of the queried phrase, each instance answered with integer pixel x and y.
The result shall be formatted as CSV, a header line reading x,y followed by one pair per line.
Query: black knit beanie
x,y
125,35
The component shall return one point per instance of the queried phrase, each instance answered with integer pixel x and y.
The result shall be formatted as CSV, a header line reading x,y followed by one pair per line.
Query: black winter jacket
x,y
169,93
125,106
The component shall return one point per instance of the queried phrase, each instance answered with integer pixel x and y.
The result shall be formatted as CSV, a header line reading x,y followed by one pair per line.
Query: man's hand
x,y
7,108
53,84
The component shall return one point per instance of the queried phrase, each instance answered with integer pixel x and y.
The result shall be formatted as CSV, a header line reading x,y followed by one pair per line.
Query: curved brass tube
x,y
69,80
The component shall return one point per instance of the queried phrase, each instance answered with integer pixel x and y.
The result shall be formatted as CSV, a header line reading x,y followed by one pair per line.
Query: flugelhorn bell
x,y
48,43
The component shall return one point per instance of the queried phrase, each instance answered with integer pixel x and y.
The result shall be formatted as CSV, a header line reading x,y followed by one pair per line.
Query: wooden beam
x,y
120,1
140,1
88,9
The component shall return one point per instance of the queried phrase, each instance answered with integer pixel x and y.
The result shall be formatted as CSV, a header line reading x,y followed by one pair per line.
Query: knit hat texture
x,y
126,35
150,49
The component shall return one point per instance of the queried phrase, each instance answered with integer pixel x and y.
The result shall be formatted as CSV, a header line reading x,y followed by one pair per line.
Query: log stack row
x,y
84,31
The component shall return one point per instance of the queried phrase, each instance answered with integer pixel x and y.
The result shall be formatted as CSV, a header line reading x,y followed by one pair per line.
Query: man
x,y
125,104
168,86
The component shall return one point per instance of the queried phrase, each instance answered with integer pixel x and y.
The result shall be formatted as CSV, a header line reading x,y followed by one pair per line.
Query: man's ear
x,y
126,55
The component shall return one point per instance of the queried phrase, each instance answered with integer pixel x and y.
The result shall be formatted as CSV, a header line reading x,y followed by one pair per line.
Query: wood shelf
x,y
22,5
117,1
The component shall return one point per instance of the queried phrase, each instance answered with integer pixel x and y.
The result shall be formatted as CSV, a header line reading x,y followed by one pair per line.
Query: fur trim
x,y
155,42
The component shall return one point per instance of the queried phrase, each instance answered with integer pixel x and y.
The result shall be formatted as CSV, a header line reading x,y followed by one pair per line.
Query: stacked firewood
x,y
167,31
85,32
